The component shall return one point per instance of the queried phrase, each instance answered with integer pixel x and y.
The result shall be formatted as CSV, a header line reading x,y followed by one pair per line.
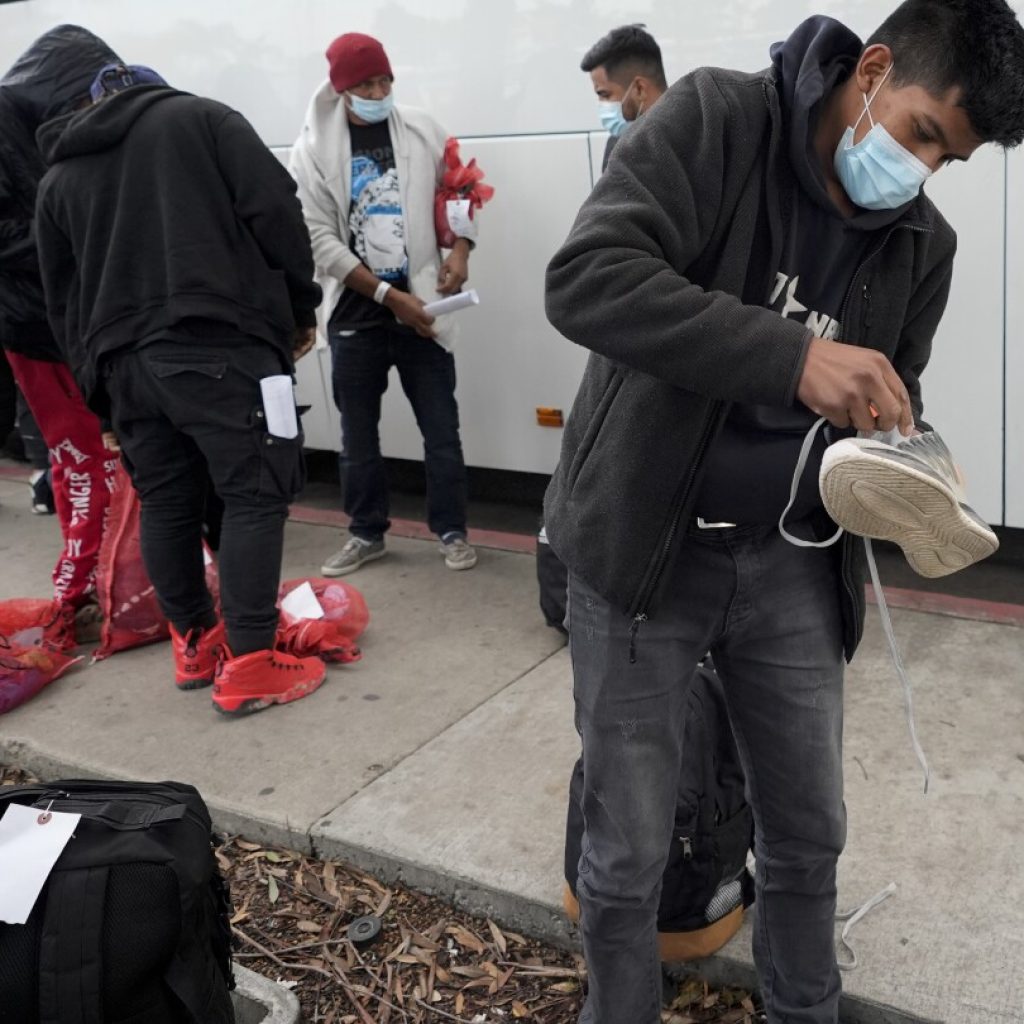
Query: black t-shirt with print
x,y
373,157
749,467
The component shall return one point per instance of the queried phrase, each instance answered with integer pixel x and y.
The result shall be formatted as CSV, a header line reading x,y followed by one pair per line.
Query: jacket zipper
x,y
844,567
643,601
659,567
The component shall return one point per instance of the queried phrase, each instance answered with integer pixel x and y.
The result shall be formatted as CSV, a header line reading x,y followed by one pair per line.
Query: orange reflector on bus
x,y
549,417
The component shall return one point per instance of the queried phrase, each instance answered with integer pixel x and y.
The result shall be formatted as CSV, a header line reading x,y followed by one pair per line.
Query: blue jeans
x,y
359,378
770,615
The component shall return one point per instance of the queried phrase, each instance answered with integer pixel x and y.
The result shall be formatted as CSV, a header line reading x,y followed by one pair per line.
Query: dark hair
x,y
629,47
977,45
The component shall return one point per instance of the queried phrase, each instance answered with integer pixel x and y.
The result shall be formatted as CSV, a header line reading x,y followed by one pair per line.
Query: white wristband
x,y
382,290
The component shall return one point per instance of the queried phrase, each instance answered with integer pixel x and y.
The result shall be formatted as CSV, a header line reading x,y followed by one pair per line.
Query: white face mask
x,y
371,111
877,172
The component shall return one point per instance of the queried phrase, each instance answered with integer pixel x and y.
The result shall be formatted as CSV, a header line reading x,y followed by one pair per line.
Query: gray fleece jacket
x,y
664,278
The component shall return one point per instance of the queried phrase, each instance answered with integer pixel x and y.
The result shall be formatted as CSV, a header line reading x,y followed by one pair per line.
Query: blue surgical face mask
x,y
878,173
371,111
612,120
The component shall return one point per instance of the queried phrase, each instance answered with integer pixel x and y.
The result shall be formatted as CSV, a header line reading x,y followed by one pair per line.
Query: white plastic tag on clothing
x,y
459,219
452,304
31,841
301,603
279,406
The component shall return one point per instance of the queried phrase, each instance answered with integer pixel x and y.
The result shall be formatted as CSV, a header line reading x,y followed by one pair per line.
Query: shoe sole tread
x,y
872,497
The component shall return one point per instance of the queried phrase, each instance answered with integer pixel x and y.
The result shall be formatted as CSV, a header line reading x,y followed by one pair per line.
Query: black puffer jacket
x,y
51,77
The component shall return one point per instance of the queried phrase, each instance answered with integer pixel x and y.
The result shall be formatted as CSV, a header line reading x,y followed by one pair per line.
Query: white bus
x,y
503,76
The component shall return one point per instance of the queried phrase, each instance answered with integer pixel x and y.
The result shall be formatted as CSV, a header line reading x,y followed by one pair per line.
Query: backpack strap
x,y
70,951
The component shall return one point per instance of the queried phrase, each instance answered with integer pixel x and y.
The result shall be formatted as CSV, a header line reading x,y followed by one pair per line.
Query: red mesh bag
x,y
34,635
459,182
333,637
35,622
131,611
24,671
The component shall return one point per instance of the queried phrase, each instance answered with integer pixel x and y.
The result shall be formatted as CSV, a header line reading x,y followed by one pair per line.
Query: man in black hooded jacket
x,y
179,276
758,254
52,77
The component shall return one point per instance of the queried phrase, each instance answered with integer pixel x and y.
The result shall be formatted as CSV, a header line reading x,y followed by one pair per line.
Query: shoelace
x,y
851,917
883,608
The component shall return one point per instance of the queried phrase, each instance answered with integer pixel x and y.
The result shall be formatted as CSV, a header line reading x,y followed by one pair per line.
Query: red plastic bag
x,y
34,622
459,182
131,611
24,671
332,637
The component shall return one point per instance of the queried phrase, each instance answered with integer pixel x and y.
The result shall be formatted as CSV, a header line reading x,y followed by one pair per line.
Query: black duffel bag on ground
x,y
705,886
132,926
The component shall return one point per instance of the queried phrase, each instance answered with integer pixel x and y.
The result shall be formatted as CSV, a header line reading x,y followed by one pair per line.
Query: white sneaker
x,y
458,553
908,493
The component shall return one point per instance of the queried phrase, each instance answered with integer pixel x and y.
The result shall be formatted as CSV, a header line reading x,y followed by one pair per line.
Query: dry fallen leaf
x,y
499,939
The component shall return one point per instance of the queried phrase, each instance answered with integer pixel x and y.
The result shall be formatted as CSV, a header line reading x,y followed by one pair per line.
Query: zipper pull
x,y
633,629
687,847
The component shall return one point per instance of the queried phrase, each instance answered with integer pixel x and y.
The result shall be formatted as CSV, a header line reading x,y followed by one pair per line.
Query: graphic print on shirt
x,y
376,223
786,302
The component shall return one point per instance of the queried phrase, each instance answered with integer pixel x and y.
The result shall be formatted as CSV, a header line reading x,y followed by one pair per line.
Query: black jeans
x,y
360,365
770,614
182,412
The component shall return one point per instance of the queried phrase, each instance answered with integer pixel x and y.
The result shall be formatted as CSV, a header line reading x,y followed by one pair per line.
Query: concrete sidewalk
x,y
442,759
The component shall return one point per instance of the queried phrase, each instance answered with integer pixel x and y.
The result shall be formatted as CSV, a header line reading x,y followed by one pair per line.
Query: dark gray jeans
x,y
770,614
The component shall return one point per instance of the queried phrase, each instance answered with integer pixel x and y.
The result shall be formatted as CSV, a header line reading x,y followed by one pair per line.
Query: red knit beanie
x,y
354,58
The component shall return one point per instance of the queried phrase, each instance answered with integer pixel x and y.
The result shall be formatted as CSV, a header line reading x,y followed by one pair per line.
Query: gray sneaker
x,y
458,553
352,555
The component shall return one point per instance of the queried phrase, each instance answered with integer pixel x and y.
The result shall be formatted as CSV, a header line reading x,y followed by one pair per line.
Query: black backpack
x,y
705,885
132,926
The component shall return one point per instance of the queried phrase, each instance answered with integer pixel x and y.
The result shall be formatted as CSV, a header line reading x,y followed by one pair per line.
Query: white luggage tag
x,y
31,842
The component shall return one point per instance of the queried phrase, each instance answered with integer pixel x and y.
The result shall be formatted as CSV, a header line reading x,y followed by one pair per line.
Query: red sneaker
x,y
196,656
254,681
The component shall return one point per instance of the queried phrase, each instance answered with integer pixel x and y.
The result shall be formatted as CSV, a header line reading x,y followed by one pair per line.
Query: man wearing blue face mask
x,y
758,254
628,77
368,172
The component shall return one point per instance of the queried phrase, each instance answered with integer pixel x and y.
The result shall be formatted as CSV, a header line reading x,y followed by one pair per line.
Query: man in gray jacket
x,y
757,255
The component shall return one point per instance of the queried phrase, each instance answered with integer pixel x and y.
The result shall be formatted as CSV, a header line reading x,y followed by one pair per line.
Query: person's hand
x,y
409,311
303,341
110,441
854,386
454,272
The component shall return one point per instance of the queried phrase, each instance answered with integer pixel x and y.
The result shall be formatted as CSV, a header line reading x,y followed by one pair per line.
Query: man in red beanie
x,y
368,172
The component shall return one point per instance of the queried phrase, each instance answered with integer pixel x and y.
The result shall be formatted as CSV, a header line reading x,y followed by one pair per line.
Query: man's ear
x,y
873,63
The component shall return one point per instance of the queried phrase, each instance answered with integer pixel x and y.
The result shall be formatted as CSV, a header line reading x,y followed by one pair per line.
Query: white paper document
x,y
279,406
453,303
301,603
459,219
31,841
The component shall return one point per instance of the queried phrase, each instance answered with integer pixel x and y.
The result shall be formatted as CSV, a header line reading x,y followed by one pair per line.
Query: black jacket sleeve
x,y
618,285
57,262
265,200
